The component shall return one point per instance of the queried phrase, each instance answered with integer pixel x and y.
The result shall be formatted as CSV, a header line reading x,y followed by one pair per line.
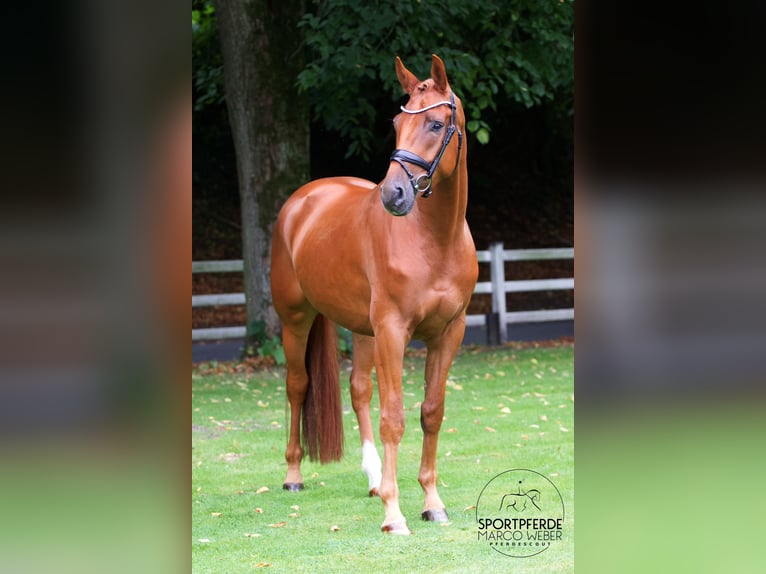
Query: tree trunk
x,y
262,50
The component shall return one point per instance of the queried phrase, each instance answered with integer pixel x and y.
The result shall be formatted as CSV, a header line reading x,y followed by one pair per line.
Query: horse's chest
x,y
446,300
440,297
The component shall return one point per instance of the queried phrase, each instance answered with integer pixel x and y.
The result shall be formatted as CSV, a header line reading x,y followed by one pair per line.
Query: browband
x,y
421,110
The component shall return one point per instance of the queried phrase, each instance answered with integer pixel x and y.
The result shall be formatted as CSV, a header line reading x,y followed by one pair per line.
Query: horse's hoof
x,y
292,486
435,515
374,492
399,528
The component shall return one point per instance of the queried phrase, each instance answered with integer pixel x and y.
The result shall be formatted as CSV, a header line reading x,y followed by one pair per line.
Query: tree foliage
x,y
207,63
496,51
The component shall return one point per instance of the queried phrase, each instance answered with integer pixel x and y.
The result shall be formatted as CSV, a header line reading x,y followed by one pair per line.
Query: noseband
x,y
422,183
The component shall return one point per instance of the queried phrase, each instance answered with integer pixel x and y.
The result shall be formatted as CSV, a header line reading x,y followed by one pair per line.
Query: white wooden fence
x,y
497,286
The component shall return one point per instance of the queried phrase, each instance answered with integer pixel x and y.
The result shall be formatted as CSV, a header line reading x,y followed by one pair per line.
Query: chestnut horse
x,y
389,268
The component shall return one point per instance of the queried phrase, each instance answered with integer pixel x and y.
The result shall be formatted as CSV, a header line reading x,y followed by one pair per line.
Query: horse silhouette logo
x,y
520,500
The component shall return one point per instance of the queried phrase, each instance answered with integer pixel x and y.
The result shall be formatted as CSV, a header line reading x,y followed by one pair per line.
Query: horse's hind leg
x,y
294,342
361,395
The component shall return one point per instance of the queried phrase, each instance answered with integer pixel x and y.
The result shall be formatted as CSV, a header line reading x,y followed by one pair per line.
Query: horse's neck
x,y
443,213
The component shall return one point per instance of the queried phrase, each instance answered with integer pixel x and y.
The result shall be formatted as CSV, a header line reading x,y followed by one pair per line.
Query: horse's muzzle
x,y
397,196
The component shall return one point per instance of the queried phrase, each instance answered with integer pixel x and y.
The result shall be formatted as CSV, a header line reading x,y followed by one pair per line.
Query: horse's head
x,y
424,134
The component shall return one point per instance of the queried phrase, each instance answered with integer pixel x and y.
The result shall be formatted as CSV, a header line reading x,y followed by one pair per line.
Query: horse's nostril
x,y
399,192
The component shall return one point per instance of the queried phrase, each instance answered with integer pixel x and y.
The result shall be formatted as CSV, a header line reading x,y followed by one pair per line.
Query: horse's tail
x,y
322,411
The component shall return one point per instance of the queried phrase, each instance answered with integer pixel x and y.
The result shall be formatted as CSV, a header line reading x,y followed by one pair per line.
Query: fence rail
x,y
497,286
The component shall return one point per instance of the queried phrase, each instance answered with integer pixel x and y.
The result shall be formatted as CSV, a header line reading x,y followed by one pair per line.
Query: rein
x,y
422,184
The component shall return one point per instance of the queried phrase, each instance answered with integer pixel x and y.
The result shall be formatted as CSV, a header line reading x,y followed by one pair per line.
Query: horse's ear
x,y
406,78
439,73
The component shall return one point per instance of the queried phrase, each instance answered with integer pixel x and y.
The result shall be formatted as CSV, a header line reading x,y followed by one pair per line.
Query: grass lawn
x,y
505,409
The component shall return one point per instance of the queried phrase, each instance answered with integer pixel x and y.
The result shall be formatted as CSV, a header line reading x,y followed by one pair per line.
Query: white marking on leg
x,y
371,464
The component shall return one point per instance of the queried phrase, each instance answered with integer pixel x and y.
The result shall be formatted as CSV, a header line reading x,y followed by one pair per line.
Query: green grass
x,y
505,408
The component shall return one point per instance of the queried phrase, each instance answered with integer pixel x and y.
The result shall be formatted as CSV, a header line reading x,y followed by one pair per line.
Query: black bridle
x,y
422,183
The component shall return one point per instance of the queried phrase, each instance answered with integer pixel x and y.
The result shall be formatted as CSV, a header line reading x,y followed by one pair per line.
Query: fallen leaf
x,y
505,410
262,490
334,528
449,453
295,507
489,429
251,535
278,524
472,507
259,510
544,418
525,437
263,564
203,540
216,514
562,429
227,400
230,456
321,483
451,430
293,515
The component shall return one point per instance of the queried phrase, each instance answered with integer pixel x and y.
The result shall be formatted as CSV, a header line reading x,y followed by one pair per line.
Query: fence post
x,y
493,328
497,277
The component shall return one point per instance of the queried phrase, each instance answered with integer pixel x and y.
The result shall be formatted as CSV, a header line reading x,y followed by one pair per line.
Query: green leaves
x,y
498,53
481,129
207,65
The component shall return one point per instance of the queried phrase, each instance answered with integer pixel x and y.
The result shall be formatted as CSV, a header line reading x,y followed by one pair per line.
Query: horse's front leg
x,y
361,395
390,341
441,352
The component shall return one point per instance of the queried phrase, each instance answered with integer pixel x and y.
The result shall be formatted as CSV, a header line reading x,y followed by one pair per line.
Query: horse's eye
x,y
437,126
